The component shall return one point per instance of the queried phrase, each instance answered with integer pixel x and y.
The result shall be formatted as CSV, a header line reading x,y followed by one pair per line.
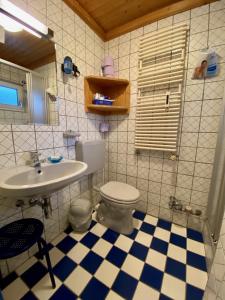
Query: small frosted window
x,y
8,96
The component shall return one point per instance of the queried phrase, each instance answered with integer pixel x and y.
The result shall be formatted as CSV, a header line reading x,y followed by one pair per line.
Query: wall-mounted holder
x,y
70,134
69,68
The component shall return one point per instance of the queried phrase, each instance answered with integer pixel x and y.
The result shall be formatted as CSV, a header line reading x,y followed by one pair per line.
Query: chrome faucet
x,y
35,162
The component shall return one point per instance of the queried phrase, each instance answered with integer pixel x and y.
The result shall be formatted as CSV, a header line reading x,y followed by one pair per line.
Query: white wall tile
x,y
6,143
199,24
216,37
151,171
200,11
75,39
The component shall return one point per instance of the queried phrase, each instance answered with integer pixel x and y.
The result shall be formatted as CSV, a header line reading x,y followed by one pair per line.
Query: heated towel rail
x,y
160,79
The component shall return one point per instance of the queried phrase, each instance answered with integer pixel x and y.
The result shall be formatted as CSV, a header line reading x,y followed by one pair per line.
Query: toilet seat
x,y
119,193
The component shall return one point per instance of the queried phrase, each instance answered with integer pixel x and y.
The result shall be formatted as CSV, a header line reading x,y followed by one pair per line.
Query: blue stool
x,y
20,236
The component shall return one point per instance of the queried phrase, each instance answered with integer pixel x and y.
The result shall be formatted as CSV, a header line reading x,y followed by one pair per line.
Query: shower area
x,y
215,221
216,204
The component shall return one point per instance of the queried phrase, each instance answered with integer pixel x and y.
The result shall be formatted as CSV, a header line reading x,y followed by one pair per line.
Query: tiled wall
x,y
153,173
74,38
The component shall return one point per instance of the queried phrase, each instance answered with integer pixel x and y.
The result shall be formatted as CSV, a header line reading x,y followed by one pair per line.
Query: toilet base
x,y
115,217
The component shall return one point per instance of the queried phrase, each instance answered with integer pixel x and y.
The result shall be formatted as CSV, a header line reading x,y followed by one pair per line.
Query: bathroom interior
x,y
112,149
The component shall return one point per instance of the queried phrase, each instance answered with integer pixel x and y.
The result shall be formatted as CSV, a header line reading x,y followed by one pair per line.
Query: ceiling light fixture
x,y
9,24
14,19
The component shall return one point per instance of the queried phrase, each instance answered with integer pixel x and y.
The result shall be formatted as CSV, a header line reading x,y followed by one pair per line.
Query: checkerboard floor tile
x,y
159,260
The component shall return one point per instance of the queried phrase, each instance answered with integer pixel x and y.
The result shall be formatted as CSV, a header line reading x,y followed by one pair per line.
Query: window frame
x,y
20,93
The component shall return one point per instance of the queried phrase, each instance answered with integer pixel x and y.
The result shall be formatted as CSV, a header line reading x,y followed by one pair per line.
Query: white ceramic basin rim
x,y
25,181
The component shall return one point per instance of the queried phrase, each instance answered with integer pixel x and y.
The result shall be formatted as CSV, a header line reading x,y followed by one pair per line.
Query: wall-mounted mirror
x,y
28,80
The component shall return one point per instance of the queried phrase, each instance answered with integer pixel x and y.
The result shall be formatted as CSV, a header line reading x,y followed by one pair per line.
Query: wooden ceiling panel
x,y
26,50
112,18
110,14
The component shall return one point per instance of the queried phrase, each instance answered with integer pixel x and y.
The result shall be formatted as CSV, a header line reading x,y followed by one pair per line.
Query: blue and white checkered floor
x,y
159,260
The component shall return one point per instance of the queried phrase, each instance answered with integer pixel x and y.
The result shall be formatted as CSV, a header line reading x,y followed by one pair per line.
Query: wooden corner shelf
x,y
108,108
116,89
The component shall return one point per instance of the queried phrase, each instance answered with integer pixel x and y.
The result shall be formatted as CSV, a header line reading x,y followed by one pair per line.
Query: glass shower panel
x,y
38,99
216,202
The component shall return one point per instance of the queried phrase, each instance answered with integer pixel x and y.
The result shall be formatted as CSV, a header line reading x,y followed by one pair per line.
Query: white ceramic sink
x,y
26,182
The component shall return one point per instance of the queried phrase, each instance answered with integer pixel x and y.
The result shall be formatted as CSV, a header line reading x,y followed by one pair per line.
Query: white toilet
x,y
117,199
115,210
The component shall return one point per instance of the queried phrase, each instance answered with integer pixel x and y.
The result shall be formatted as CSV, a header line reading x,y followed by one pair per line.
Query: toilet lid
x,y
120,191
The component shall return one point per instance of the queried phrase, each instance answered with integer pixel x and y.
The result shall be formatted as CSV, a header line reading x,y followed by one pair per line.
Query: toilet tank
x,y
92,153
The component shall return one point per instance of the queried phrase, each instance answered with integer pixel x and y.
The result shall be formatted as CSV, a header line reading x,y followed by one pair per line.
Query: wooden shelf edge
x,y
109,79
107,110
107,107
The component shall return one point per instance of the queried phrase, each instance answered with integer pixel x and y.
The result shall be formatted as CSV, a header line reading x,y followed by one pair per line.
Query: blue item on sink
x,y
102,102
55,159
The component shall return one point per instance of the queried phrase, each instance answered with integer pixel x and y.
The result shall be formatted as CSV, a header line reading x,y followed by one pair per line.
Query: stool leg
x,y
45,252
40,250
